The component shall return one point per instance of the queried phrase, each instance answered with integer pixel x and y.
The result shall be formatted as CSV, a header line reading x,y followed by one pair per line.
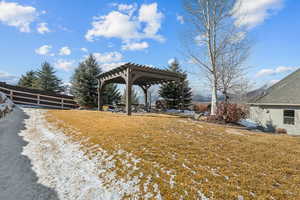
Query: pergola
x,y
133,74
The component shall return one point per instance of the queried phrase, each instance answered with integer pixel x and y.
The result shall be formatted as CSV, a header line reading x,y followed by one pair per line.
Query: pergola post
x,y
145,90
146,99
100,99
128,91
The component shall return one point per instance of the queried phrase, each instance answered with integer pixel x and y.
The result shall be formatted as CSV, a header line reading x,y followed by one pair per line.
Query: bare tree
x,y
210,37
231,77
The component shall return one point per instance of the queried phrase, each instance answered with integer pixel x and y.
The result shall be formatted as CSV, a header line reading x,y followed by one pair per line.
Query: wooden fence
x,y
33,97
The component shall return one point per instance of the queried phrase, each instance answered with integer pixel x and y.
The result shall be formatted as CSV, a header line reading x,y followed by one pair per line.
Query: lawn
x,y
178,158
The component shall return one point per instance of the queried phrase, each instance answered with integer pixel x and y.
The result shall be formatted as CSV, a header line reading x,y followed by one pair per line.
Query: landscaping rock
x,y
6,105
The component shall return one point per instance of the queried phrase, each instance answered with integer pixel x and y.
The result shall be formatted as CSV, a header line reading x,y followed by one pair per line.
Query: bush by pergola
x,y
134,74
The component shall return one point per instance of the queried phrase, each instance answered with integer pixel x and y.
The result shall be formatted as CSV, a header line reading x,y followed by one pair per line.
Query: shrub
x,y
202,107
281,131
230,113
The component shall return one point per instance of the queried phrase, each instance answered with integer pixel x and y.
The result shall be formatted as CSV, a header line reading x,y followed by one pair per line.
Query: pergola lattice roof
x,y
142,75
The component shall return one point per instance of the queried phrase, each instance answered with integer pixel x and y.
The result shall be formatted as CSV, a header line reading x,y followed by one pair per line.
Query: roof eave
x,y
272,104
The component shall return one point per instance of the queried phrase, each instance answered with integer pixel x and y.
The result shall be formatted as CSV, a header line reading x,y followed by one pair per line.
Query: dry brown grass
x,y
219,161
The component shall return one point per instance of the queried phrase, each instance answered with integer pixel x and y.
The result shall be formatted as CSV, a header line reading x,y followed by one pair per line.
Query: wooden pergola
x,y
133,74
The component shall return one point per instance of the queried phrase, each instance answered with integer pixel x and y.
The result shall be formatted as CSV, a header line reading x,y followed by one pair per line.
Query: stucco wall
x,y
272,117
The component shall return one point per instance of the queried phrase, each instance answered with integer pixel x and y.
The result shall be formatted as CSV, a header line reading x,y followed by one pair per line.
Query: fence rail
x,y
25,96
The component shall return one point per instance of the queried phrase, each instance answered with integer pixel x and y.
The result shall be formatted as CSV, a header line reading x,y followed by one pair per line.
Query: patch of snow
x,y
252,194
234,132
173,111
62,165
156,190
240,197
202,196
214,172
181,112
188,112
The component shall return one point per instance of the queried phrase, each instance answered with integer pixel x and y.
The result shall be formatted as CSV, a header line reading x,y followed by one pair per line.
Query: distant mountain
x,y
250,96
200,98
254,94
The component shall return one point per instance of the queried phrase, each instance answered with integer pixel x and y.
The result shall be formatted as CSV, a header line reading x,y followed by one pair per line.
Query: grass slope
x,y
183,159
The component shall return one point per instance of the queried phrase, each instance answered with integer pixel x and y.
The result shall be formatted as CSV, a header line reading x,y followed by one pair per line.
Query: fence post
x,y
38,99
11,94
62,103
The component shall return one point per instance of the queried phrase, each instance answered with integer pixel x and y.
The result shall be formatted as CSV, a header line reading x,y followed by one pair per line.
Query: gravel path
x,y
17,179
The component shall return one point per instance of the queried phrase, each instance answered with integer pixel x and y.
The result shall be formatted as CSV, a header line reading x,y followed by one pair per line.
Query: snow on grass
x,y
62,165
177,159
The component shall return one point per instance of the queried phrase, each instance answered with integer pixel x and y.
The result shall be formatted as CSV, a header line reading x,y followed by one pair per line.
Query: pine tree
x,y
28,80
172,92
47,80
134,97
111,94
84,85
84,82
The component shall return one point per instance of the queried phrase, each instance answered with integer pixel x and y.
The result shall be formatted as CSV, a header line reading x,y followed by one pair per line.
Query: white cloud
x,y
250,13
180,19
42,28
265,72
44,50
282,69
64,64
108,60
135,46
272,82
14,14
109,66
152,17
171,61
108,57
65,51
127,8
8,78
238,37
115,24
278,70
122,25
84,49
200,40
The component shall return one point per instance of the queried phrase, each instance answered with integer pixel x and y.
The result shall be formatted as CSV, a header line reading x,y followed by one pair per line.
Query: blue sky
x,y
148,32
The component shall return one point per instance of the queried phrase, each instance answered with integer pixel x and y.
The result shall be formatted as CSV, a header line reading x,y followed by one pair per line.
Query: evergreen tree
x,y
85,84
47,80
172,92
28,80
134,97
111,94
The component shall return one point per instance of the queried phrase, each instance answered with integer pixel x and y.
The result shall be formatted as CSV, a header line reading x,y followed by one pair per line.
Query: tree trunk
x,y
214,97
226,101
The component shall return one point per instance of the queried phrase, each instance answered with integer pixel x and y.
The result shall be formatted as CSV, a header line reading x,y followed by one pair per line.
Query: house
x,y
279,106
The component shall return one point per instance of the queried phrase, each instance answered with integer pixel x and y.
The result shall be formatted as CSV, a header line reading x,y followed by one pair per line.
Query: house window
x,y
289,117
